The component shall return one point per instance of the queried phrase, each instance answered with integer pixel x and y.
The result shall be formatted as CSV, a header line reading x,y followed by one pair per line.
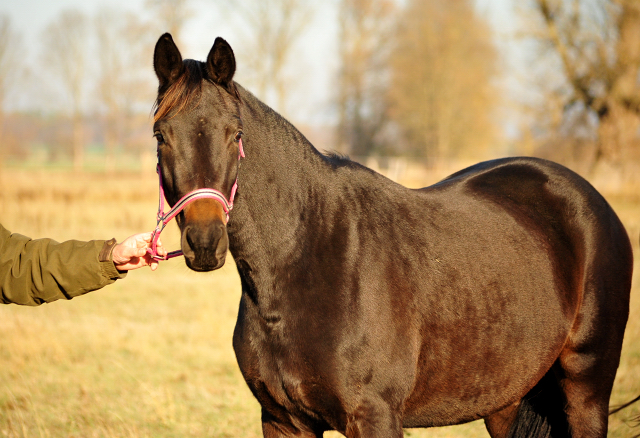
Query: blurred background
x,y
415,89
403,81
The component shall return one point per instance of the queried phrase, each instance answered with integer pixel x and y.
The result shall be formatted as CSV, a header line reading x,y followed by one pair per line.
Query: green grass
x,y
151,355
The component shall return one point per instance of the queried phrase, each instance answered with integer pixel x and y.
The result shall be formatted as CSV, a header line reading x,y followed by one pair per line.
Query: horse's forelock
x,y
181,92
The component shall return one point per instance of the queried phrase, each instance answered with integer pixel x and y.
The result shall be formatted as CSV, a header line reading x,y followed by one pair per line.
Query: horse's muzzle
x,y
204,237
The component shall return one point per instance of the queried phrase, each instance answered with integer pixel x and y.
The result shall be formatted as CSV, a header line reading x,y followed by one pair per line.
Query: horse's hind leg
x,y
540,413
590,358
572,399
587,379
499,423
567,402
587,375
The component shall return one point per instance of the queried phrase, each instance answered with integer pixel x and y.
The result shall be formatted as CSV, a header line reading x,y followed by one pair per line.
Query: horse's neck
x,y
274,181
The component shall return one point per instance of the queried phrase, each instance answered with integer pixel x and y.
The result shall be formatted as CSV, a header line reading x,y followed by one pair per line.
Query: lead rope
x,y
164,218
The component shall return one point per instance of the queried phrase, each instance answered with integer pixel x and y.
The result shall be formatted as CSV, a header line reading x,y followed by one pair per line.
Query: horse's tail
x,y
541,412
622,406
636,420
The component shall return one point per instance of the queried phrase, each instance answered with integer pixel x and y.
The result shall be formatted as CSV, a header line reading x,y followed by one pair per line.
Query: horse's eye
x,y
238,136
159,138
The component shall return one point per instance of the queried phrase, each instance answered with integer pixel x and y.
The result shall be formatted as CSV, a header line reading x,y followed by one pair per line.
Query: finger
x,y
143,240
138,240
149,260
128,254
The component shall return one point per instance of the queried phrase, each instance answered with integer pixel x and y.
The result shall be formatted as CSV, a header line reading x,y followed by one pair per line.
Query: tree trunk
x,y
78,144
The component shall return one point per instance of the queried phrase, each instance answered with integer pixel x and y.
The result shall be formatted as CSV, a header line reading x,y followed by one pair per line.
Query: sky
x,y
30,18
317,62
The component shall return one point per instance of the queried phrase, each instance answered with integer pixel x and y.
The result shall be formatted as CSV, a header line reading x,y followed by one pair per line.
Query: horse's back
x,y
550,201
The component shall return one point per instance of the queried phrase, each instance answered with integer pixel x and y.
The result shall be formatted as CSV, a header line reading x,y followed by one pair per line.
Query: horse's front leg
x,y
374,419
273,428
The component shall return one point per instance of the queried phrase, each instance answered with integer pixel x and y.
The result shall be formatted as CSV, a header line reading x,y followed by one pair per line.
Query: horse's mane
x,y
182,91
337,156
337,159
188,86
331,157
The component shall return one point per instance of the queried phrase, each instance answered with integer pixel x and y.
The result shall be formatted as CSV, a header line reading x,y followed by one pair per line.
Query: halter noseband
x,y
165,218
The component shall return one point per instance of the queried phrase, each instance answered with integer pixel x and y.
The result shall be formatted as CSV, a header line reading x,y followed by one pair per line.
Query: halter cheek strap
x,y
164,218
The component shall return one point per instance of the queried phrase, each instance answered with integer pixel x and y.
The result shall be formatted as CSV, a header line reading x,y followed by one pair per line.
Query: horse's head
x,y
198,129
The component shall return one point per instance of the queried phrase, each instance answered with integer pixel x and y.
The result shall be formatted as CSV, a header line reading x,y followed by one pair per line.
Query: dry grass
x,y
151,356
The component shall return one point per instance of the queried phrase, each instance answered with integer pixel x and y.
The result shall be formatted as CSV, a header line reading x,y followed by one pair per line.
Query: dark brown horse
x,y
500,293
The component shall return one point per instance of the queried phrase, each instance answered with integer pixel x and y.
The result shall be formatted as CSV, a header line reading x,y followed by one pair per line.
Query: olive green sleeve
x,y
39,271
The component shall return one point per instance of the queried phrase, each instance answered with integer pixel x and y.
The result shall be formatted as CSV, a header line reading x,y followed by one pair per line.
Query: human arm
x,y
33,272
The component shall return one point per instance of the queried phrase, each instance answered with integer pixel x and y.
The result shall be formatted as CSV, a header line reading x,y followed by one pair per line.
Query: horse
x,y
500,293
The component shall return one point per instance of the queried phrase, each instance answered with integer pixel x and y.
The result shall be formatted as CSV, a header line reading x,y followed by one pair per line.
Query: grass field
x,y
151,355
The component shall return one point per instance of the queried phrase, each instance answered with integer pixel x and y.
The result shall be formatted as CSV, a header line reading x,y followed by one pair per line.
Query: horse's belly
x,y
483,366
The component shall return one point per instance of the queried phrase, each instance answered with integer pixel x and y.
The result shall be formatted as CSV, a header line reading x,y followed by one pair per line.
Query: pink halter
x,y
165,218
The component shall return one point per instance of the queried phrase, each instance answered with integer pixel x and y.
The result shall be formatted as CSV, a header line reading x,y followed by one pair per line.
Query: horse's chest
x,y
276,369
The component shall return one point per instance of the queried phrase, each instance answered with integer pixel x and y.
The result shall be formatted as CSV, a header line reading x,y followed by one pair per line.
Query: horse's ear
x,y
221,65
167,61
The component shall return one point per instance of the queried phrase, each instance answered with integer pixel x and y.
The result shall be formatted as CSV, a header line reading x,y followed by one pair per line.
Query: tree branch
x,y
577,82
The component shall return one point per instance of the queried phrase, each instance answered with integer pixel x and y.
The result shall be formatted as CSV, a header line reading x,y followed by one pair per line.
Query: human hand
x,y
132,253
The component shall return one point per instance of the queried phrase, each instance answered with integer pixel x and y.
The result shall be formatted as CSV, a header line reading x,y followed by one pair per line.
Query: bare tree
x,y
442,94
365,39
270,31
171,15
596,45
65,55
9,45
9,67
125,84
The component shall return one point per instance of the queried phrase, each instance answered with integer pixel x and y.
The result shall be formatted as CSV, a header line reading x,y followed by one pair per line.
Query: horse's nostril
x,y
203,238
189,238
205,245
